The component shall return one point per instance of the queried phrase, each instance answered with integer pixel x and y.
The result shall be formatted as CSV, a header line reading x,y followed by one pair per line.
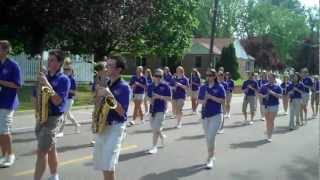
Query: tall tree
x,y
229,61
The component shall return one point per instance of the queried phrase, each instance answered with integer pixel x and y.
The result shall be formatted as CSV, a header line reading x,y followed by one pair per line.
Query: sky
x,y
310,3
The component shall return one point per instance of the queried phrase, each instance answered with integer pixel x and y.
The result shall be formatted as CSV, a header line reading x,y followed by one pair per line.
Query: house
x,y
198,57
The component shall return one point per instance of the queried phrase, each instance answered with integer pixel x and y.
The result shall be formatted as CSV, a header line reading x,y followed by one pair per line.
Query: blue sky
x,y
310,3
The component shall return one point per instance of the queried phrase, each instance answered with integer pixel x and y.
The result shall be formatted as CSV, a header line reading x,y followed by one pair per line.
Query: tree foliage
x,y
229,61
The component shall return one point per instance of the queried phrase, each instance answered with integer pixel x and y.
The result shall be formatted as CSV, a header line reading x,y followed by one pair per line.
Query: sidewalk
x,y
24,121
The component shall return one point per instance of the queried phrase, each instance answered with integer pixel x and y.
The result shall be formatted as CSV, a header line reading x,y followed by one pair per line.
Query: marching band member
x,y
168,79
271,94
195,83
308,84
295,92
315,96
285,97
159,93
68,70
230,87
10,82
211,96
108,143
249,87
46,132
148,76
181,84
221,80
262,81
138,84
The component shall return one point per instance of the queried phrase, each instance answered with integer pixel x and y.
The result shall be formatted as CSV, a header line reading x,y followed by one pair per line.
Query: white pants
x,y
107,147
295,106
211,126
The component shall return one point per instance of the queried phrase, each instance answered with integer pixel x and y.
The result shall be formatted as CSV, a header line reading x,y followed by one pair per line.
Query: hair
x,y
148,72
195,70
67,61
181,68
297,74
120,61
305,70
227,74
214,72
58,54
221,68
158,72
5,45
99,66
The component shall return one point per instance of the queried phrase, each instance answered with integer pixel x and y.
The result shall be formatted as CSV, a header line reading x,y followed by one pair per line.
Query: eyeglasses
x,y
66,69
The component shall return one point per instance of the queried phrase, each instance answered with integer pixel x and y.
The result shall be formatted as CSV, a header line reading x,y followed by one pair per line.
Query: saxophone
x,y
43,95
101,112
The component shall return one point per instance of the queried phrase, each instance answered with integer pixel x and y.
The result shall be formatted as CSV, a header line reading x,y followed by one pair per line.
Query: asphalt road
x,y
242,152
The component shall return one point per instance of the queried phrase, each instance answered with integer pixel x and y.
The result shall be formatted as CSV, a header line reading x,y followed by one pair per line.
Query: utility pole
x,y
213,31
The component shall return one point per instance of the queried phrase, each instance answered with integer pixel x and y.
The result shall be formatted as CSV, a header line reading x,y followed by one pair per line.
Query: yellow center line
x,y
73,161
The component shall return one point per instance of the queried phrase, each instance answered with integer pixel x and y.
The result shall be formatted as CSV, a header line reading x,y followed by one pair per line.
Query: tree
x,y
229,61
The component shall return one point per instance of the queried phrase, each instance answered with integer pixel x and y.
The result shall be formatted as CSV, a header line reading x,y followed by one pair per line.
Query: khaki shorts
x,y
194,94
138,97
251,100
6,117
305,99
178,103
156,122
228,97
315,97
46,132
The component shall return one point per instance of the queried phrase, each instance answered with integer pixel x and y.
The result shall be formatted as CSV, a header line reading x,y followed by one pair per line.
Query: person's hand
x,y
102,91
157,96
43,79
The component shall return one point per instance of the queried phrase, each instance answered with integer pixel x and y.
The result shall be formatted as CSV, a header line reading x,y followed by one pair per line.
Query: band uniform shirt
x,y
248,91
149,80
317,86
270,100
180,93
142,80
230,83
196,82
9,71
121,92
211,108
73,87
284,86
162,89
61,85
295,94
262,82
225,86
307,81
167,78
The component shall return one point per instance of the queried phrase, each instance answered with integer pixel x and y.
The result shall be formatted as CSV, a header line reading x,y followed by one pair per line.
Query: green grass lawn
x,y
83,97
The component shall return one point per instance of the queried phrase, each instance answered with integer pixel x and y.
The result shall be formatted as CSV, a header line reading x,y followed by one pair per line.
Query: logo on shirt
x,y
5,71
116,92
54,83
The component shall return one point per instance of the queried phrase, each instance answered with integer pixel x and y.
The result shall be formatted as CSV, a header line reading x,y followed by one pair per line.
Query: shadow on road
x,y
248,175
134,155
174,174
23,140
281,130
248,144
183,138
302,168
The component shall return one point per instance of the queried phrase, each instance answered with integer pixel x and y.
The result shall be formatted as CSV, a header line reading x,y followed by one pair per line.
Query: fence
x,y
82,66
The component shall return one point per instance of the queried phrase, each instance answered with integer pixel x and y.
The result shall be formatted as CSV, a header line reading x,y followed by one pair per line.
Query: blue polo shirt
x,y
247,91
73,86
141,80
317,86
211,108
225,86
9,71
61,85
270,100
262,82
180,93
167,78
295,94
195,83
161,89
149,80
284,87
307,81
230,83
121,91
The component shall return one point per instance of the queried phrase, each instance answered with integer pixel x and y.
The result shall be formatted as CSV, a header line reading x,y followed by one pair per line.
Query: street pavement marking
x,y
64,163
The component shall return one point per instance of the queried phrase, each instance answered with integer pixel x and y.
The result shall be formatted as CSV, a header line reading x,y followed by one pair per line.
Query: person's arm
x,y
9,84
202,95
15,82
277,93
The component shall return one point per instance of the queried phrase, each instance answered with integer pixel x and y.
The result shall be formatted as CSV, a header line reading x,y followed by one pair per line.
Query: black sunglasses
x,y
158,76
211,75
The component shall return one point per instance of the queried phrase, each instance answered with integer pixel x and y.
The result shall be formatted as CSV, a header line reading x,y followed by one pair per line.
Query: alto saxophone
x,y
101,112
43,95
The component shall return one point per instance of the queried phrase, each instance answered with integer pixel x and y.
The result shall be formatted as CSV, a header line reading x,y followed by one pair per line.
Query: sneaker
x,y
220,131
228,116
59,135
263,119
172,117
54,177
92,143
269,139
153,150
285,113
179,126
209,164
9,161
251,122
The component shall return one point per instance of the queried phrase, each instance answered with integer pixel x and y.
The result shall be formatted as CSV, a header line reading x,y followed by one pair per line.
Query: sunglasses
x,y
66,69
210,75
158,76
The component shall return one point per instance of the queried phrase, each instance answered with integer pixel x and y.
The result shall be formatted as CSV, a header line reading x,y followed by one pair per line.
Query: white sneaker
x,y
220,131
263,119
9,161
285,113
59,135
251,122
54,177
2,160
153,150
179,126
269,139
209,164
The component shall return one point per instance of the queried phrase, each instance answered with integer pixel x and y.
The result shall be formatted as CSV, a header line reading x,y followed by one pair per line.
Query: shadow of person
x,y
134,155
174,174
281,130
248,144
196,137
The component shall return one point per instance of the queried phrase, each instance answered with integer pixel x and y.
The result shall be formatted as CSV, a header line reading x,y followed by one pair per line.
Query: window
x,y
248,66
198,61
